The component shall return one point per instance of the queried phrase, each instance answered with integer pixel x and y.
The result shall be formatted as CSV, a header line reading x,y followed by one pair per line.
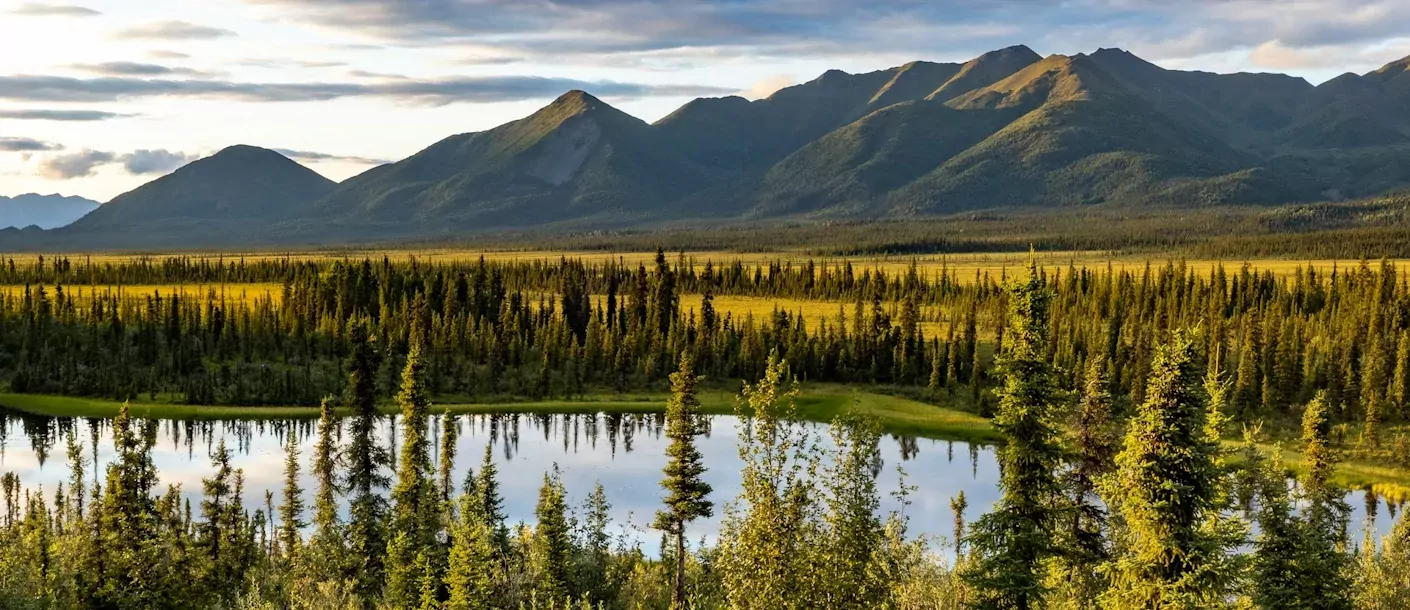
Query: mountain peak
x,y
1112,51
240,182
247,153
913,81
1054,78
986,70
1015,51
579,103
578,99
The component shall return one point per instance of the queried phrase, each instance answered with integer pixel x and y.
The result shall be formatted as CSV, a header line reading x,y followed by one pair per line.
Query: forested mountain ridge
x,y
1009,128
226,196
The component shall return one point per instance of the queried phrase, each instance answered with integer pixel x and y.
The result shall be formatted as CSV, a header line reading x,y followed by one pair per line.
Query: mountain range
x,y
42,211
1008,128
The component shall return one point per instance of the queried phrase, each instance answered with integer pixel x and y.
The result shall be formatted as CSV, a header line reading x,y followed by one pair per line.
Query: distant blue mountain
x,y
44,211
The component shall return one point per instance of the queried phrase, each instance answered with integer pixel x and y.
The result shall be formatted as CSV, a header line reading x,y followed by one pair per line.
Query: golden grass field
x,y
966,266
761,308
232,293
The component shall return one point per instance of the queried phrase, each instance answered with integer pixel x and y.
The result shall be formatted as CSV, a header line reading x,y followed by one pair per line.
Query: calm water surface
x,y
623,452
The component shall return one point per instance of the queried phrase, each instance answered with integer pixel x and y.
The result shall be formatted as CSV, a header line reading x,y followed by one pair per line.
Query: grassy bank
x,y
896,415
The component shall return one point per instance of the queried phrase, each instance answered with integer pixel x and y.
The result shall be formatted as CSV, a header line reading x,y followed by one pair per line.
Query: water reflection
x,y
625,452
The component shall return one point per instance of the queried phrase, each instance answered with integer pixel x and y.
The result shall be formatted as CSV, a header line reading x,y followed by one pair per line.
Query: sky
x,y
100,96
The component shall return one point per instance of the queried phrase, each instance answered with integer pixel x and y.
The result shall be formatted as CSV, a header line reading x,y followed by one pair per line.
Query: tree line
x,y
537,329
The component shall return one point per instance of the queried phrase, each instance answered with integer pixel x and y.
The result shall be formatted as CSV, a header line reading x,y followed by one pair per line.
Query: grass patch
x,y
1387,482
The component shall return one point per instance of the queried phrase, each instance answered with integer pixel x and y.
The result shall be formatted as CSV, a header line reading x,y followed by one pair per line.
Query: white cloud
x,y
74,165
143,162
174,30
767,86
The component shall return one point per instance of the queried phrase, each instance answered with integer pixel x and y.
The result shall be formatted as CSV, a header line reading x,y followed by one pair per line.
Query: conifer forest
x,y
1167,435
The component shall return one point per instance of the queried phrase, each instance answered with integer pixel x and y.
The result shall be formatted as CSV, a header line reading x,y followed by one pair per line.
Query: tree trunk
x,y
678,596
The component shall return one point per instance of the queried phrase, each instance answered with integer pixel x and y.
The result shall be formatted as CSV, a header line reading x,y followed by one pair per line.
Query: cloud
x,y
61,115
174,30
767,86
377,75
283,64
26,145
142,162
1274,54
34,9
427,92
696,30
137,163
74,165
165,54
129,68
1277,56
317,157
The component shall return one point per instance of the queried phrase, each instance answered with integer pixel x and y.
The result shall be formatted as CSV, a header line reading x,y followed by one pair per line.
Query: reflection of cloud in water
x,y
624,452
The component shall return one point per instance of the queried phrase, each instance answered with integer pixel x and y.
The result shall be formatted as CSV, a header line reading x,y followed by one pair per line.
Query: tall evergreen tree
x,y
472,566
1094,445
491,504
415,515
1276,574
365,461
1323,561
291,511
1010,544
551,544
686,490
327,543
1174,547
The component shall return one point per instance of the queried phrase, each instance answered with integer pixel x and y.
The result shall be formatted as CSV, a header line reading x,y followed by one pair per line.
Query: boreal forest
x,y
1167,437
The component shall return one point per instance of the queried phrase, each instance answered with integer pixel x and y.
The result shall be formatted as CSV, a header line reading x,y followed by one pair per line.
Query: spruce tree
x,y
491,504
1323,562
291,511
1174,549
472,565
1276,558
1009,545
214,537
365,460
552,547
594,576
327,542
415,516
1094,444
686,490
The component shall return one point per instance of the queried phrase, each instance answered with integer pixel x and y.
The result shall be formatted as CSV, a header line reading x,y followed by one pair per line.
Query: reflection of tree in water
x,y
580,432
908,445
974,461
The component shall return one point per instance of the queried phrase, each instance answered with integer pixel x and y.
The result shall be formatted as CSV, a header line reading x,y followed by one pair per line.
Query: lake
x,y
623,452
